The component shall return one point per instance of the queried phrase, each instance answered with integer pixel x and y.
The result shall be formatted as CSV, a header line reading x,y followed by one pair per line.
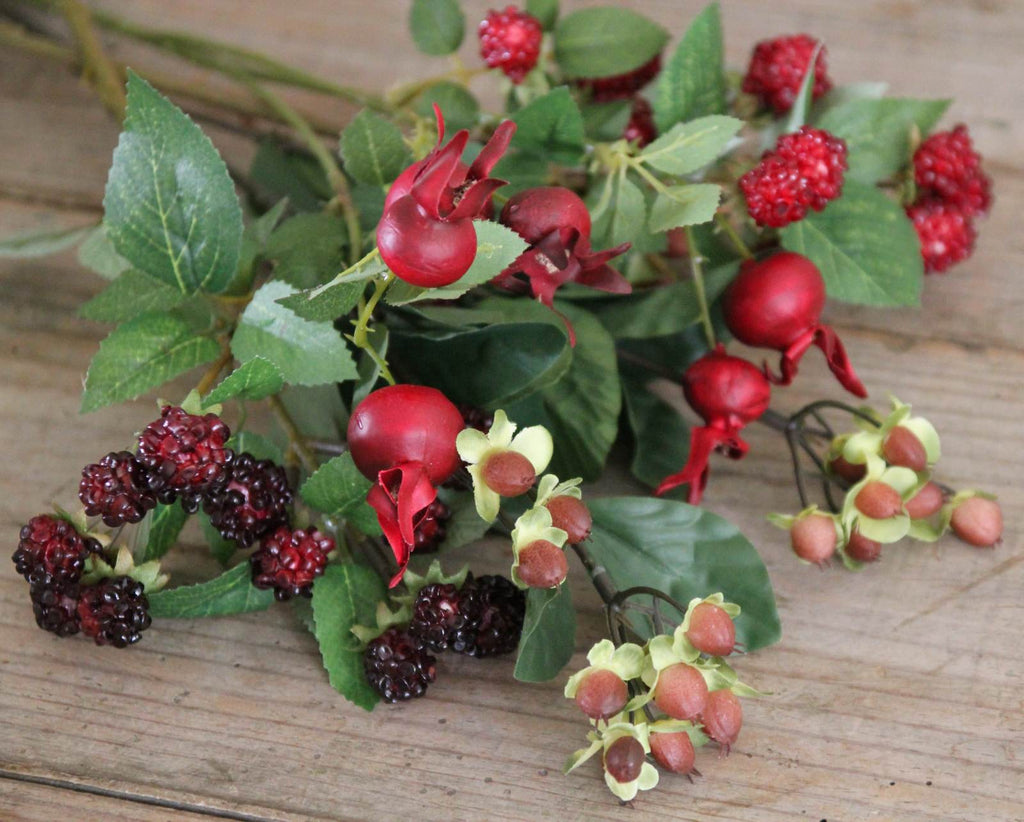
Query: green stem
x,y
733,235
96,66
359,335
295,437
697,271
405,94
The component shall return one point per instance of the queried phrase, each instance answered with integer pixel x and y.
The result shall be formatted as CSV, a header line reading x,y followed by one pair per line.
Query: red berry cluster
x,y
952,191
510,41
777,69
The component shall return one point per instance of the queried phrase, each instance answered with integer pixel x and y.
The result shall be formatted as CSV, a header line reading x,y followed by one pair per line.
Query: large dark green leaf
x,y
692,84
279,171
549,131
308,250
661,437
605,41
549,634
131,294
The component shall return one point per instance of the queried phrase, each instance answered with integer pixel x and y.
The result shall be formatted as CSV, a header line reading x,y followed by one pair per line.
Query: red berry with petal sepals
x,y
879,501
114,611
398,667
904,448
946,235
186,452
118,489
405,423
722,718
926,502
51,552
602,694
849,471
978,522
572,516
726,389
542,564
536,212
508,473
252,502
814,538
640,128
947,167
289,561
422,250
711,630
620,86
510,41
673,751
777,69
862,549
681,691
624,759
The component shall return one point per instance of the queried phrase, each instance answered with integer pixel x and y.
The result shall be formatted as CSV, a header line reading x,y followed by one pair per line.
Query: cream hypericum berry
x,y
976,518
540,560
874,506
565,502
900,440
814,535
601,690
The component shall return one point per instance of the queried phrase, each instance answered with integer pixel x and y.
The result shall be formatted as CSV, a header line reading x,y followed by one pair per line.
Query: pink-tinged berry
x,y
510,41
602,694
542,564
252,502
946,235
673,751
288,561
777,69
681,691
711,630
978,521
947,167
814,538
620,86
114,611
51,552
851,472
926,502
879,501
903,447
640,129
572,516
624,759
398,667
862,549
118,489
508,473
186,452
722,718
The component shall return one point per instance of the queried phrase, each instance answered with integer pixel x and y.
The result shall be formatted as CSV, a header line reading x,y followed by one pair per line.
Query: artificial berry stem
x,y
210,377
697,271
734,236
96,66
598,575
295,438
359,336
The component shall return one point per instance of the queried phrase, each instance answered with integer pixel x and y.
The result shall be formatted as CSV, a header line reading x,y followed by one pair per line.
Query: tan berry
x,y
925,502
879,501
722,717
673,751
681,691
602,694
624,758
572,516
508,473
712,630
849,471
978,521
902,447
862,549
814,538
542,564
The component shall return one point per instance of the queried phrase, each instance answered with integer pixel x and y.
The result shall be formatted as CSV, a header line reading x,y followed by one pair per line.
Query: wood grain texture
x,y
895,692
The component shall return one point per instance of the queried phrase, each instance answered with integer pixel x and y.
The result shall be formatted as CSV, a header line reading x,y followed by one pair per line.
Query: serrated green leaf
x,y
661,437
131,294
437,26
686,552
308,250
346,595
606,121
546,11
142,354
549,634
252,380
606,41
97,254
278,171
692,83
624,217
338,488
877,132
865,246
687,147
685,205
254,243
460,107
305,352
41,243
171,208
801,109
373,149
549,131
162,526
230,593
336,298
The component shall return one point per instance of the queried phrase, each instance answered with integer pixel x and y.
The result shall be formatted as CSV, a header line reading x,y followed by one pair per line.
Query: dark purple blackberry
x,y
431,530
55,607
51,552
493,609
288,561
476,417
252,502
397,666
435,615
118,489
114,611
186,452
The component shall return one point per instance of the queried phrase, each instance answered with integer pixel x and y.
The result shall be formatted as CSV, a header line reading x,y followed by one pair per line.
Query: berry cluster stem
x,y
359,335
96,66
697,271
295,437
210,376
734,236
598,574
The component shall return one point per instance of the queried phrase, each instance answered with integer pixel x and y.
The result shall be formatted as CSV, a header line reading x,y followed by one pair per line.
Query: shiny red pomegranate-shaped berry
x,y
423,250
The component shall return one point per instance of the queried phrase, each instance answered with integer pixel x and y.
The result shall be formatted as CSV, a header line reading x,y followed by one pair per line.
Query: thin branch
x,y
97,67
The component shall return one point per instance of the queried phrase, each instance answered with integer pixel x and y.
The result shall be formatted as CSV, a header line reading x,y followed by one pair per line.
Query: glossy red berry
x,y
542,564
978,521
946,235
947,167
862,549
423,250
624,759
777,68
681,691
904,448
814,538
118,489
879,500
114,611
510,41
602,694
405,423
926,502
289,561
508,473
640,129
572,516
726,391
252,502
711,630
673,751
186,452
536,212
722,717
51,552
620,86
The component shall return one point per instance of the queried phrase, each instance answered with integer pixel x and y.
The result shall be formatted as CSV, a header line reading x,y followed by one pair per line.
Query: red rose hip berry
x,y
572,516
423,250
542,564
536,212
722,717
978,521
602,694
624,759
673,751
814,538
711,630
681,691
878,500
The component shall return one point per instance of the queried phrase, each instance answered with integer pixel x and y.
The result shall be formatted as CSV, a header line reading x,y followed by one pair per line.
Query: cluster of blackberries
x,y
483,617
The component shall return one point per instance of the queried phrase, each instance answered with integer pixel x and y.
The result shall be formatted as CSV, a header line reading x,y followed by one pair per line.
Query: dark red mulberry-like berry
x,y
397,666
431,530
947,167
435,615
510,41
288,561
777,69
118,489
640,128
55,607
946,235
186,452
620,86
252,502
51,552
114,611
476,417
493,610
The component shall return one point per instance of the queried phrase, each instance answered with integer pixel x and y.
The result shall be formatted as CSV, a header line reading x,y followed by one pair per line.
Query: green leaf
x,y
687,147
878,132
865,246
549,131
249,442
305,352
624,216
661,437
308,250
549,634
278,171
171,208
800,111
686,552
97,254
606,122
142,354
546,11
692,83
221,549
41,243
464,526
339,489
131,294
252,380
606,41
230,593
346,595
684,205
327,302
496,249
373,149
460,107
162,526
254,244
437,26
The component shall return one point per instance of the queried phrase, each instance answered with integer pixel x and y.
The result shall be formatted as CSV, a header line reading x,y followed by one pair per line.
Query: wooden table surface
x,y
896,692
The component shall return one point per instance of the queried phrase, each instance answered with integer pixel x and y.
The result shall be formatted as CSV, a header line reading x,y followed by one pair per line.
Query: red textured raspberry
x,y
777,69
947,167
289,561
114,611
118,489
398,667
946,235
510,40
51,552
186,453
252,502
640,129
620,86
819,158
